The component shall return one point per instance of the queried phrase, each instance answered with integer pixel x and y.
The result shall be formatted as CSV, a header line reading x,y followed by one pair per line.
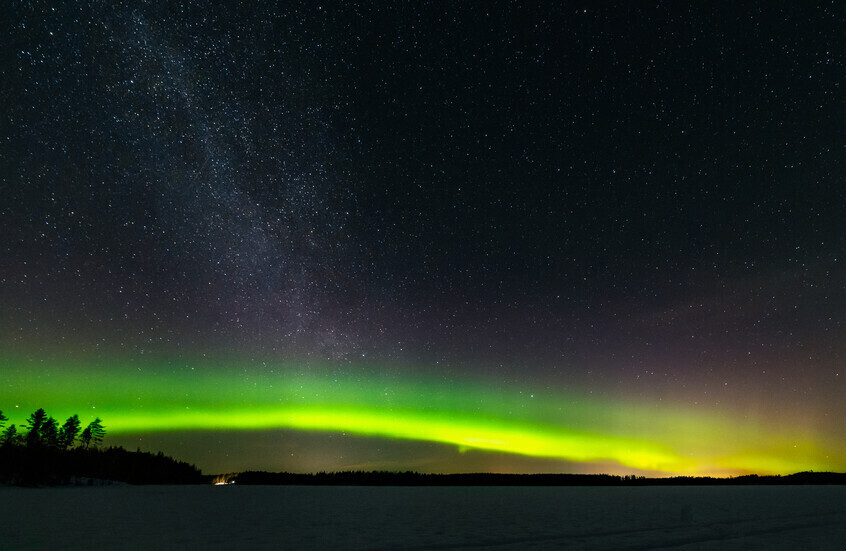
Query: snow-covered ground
x,y
387,518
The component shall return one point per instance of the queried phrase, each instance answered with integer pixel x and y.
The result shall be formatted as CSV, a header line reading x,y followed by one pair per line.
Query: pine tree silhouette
x,y
35,424
50,433
97,431
10,435
93,433
68,432
85,437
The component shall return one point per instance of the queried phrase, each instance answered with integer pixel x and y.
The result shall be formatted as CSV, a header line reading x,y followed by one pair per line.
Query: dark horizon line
x,y
411,478
34,465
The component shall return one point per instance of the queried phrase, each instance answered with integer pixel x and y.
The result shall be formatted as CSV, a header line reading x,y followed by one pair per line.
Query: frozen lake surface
x,y
388,518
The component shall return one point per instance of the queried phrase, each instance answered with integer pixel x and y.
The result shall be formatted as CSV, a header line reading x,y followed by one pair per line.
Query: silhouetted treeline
x,y
50,454
384,478
26,466
43,431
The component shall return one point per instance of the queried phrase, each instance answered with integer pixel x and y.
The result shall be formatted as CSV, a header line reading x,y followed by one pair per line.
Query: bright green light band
x,y
566,426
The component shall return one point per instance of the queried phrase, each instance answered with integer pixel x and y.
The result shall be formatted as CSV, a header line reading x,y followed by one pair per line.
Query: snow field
x,y
411,518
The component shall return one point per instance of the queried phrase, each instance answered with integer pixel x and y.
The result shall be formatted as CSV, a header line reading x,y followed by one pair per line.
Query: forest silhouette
x,y
410,478
46,454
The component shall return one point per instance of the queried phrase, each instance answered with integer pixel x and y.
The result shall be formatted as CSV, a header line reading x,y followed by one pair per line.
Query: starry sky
x,y
511,237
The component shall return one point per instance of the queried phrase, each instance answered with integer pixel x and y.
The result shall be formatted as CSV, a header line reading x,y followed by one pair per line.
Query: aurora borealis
x,y
470,415
430,237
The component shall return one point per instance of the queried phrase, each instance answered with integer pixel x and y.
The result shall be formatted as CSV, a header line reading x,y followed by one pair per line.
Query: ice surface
x,y
387,518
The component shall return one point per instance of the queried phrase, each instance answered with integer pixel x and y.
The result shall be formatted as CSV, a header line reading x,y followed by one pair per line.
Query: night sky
x,y
486,237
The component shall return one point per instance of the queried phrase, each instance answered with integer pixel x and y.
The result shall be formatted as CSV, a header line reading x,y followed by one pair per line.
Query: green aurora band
x,y
144,399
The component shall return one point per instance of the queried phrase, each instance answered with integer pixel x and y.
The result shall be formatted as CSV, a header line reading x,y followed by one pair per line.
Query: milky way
x,y
636,209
